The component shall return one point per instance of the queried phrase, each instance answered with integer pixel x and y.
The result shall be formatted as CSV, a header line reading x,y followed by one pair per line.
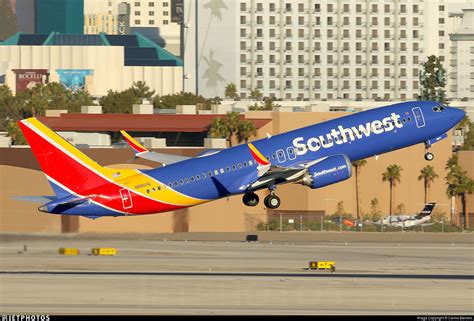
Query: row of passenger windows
x,y
209,174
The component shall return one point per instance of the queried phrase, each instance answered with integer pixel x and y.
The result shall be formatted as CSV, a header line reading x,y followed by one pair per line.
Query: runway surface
x,y
158,277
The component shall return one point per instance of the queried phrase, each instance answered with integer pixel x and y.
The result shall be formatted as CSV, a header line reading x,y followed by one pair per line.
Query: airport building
x,y
329,49
98,63
299,203
151,18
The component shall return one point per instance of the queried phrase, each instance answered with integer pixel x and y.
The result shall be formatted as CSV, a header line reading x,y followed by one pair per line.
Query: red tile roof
x,y
138,123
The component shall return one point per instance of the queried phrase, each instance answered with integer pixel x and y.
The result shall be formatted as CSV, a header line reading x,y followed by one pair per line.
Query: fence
x,y
314,221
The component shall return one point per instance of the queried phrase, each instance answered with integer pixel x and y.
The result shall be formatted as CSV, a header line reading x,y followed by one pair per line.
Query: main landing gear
x,y
250,199
428,156
271,201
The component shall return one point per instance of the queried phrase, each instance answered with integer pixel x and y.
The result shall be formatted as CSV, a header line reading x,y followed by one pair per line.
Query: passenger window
x,y
227,169
234,167
187,180
203,175
245,164
209,174
216,172
250,163
170,184
148,191
240,165
192,178
159,188
181,182
175,183
198,177
404,120
222,171
153,189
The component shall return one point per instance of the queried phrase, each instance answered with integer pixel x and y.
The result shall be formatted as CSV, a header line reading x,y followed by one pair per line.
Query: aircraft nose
x,y
457,114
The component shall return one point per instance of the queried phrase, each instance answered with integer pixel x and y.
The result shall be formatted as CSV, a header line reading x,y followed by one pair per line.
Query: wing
x,y
269,174
142,152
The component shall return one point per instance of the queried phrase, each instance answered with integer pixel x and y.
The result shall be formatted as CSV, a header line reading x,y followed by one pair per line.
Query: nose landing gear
x,y
428,156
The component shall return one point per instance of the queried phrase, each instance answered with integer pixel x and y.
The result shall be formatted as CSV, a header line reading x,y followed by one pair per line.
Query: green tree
x,y
230,126
245,130
400,209
357,166
10,109
142,90
183,98
467,129
8,25
231,91
433,80
119,102
375,211
256,94
458,186
392,175
15,133
428,175
340,211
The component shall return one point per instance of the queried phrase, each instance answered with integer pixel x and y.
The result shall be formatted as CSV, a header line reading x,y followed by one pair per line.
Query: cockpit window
x,y
438,109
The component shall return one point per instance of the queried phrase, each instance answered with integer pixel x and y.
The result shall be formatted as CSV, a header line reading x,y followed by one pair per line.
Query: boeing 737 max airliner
x,y
315,156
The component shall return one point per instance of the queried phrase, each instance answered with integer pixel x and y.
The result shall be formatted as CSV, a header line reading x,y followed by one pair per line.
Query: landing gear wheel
x,y
429,156
250,199
272,201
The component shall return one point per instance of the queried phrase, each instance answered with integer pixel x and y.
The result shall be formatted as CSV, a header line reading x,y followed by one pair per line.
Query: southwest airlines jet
x,y
315,156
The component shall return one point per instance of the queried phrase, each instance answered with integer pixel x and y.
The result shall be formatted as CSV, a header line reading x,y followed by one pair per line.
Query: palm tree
x,y
458,185
230,125
231,91
245,130
428,175
392,175
357,165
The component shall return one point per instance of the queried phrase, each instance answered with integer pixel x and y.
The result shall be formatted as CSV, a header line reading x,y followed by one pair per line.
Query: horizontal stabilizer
x,y
142,152
59,206
36,199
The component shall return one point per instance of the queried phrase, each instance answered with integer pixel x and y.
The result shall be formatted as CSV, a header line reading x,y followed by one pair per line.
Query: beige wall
x,y
20,216
107,63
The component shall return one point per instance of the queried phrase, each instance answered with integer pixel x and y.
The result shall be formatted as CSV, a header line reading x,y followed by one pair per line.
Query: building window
x,y
151,4
137,22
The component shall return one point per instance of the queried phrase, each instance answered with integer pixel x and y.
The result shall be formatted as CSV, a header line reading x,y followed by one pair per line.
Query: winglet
x,y
137,147
259,158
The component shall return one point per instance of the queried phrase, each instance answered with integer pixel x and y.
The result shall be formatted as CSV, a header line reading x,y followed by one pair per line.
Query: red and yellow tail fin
x,y
137,147
63,164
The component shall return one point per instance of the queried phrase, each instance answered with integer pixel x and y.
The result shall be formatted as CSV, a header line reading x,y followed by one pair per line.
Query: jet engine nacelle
x,y
330,170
